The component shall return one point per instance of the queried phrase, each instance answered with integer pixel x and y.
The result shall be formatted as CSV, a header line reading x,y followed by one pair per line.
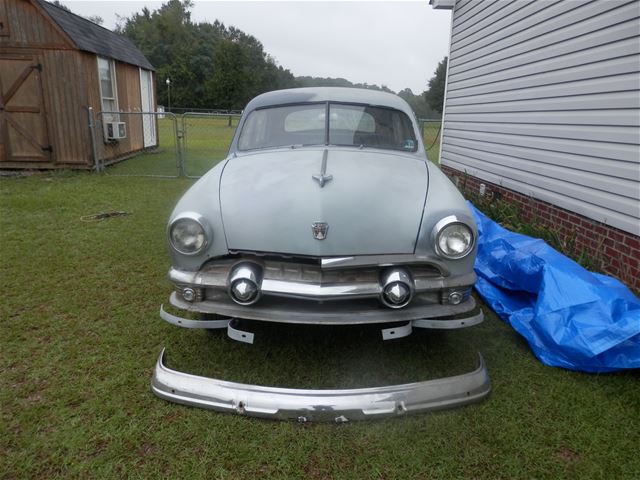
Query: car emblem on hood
x,y
319,230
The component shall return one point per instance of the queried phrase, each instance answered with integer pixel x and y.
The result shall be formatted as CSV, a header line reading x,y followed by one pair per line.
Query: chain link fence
x,y
165,144
148,141
430,131
206,138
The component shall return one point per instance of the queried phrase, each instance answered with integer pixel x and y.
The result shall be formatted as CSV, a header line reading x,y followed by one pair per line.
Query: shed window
x,y
108,87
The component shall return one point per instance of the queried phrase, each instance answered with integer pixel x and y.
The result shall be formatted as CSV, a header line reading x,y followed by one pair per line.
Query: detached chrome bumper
x,y
320,405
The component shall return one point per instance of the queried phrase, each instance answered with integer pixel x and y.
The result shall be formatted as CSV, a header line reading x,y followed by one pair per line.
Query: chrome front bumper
x,y
320,405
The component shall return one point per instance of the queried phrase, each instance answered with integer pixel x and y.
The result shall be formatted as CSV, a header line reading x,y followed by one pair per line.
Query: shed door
x,y
23,126
148,121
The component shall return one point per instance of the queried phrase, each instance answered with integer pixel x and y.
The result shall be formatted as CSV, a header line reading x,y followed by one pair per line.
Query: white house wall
x,y
543,97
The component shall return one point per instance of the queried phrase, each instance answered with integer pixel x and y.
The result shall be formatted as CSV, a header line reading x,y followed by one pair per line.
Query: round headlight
x,y
454,240
187,236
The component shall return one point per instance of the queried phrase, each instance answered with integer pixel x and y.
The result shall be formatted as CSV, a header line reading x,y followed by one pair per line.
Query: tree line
x,y
211,65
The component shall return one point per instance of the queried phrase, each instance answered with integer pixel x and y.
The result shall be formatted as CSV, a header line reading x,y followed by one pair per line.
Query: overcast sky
x,y
398,44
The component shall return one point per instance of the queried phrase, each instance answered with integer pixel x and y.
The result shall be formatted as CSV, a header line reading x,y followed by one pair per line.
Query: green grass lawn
x,y
81,334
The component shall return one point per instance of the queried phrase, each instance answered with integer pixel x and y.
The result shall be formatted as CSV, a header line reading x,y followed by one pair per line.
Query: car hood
x,y
372,205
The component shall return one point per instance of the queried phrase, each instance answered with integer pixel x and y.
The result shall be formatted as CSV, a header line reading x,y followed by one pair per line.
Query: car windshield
x,y
348,125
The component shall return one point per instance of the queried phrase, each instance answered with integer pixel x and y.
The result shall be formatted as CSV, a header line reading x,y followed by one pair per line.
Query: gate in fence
x,y
205,139
163,144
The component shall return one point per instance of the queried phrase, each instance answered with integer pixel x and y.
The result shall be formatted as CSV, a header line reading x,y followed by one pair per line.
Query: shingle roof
x,y
93,38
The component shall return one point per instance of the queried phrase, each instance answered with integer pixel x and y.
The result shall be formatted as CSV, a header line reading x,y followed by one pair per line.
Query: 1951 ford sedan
x,y
325,211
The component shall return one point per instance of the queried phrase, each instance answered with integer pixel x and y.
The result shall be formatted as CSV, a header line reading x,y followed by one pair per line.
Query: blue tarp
x,y
572,318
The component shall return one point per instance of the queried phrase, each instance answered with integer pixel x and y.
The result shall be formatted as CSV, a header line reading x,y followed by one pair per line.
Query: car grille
x,y
308,270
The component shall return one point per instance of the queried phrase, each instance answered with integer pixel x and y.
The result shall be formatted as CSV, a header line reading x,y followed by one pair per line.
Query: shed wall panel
x,y
129,103
544,98
65,104
28,27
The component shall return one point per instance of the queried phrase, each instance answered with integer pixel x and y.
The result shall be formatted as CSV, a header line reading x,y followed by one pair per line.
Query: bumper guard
x,y
391,333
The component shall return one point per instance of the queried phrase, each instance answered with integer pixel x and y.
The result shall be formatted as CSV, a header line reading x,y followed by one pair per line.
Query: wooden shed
x,y
54,65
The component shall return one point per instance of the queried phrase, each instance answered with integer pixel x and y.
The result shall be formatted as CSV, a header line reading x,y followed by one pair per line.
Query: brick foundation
x,y
618,251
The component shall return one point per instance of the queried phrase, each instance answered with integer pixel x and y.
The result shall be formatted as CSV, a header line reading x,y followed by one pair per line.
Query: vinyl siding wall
x,y
543,97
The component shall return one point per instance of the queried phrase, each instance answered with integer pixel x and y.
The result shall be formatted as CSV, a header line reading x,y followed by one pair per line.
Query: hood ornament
x,y
319,230
321,178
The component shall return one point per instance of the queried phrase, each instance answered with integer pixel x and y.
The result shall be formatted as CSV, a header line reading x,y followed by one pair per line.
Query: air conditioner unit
x,y
116,130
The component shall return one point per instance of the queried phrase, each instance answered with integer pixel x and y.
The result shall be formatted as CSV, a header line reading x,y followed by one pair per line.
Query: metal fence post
x,y
180,144
92,138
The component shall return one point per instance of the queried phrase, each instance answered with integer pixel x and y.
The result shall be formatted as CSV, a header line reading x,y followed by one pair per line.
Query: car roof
x,y
330,94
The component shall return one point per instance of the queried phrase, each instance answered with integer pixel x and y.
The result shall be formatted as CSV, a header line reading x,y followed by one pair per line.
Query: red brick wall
x,y
618,251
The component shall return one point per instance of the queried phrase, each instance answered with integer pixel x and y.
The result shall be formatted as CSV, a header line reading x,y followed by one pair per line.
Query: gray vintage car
x,y
326,211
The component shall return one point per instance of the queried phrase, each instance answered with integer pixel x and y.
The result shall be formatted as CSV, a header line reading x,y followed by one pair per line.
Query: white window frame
x,y
114,82
114,87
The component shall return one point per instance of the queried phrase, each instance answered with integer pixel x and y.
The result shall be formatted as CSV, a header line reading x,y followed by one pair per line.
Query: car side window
x,y
254,131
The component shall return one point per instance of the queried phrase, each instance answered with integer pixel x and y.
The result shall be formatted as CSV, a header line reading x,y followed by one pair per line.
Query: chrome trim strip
x,y
188,323
320,405
325,292
388,260
183,276
450,324
334,262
